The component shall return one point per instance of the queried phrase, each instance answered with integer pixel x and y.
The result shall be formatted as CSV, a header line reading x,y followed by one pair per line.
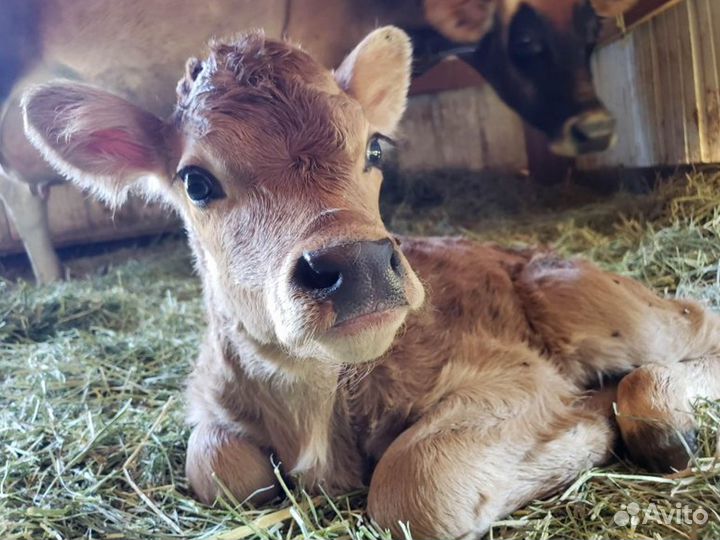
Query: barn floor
x,y
92,370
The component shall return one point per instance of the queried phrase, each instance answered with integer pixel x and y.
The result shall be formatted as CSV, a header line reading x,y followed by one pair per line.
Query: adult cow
x,y
534,52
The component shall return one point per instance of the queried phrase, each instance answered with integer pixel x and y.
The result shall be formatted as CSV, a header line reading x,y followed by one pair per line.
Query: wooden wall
x,y
75,218
469,128
662,82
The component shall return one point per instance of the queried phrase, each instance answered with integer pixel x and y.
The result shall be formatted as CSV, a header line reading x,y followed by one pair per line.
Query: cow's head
x,y
536,54
273,162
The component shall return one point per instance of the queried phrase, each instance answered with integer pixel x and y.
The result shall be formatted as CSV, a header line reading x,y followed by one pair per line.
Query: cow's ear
x,y
377,74
612,8
463,21
95,139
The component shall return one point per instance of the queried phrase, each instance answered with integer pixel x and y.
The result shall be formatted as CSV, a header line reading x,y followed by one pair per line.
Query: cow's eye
x,y
373,153
200,186
527,36
527,46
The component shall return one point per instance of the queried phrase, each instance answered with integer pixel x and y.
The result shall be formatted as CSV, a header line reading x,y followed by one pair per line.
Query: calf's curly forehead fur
x,y
254,98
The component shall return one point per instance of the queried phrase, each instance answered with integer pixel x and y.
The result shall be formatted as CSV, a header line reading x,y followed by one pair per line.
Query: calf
x,y
447,375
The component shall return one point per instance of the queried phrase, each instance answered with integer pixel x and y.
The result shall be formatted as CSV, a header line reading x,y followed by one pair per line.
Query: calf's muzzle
x,y
357,278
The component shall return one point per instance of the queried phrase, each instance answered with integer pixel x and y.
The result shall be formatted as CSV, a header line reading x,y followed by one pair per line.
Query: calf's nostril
x,y
314,280
396,264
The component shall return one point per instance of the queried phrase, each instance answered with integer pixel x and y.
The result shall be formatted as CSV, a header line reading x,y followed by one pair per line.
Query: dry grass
x,y
92,439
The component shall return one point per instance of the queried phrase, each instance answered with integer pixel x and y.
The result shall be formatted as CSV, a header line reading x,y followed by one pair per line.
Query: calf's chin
x,y
365,345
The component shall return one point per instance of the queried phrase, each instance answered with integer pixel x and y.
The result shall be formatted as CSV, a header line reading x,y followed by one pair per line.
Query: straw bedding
x,y
92,438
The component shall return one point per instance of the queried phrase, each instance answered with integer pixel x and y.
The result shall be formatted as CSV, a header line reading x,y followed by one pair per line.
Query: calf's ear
x,y
377,74
95,139
462,21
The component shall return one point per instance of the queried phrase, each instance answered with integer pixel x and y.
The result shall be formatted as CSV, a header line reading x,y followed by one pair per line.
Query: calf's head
x,y
273,162
536,54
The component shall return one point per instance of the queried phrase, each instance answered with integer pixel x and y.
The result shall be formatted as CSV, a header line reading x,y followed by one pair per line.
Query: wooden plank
x,y
66,210
418,142
450,74
646,10
706,59
467,129
501,132
459,125
687,79
641,65
642,12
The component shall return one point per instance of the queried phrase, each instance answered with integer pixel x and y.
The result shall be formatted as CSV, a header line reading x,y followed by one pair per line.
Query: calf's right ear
x,y
95,139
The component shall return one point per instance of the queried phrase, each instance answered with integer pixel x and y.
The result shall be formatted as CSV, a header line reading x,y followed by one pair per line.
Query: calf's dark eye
x,y
374,153
201,186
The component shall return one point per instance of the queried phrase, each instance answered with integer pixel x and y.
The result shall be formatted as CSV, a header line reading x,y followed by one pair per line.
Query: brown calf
x,y
448,375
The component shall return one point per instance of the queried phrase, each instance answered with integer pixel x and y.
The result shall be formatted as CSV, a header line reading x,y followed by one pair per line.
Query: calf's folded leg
x,y
243,468
500,439
592,322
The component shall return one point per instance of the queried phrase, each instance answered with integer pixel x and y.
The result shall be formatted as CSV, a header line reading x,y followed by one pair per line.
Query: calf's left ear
x,y
95,139
377,74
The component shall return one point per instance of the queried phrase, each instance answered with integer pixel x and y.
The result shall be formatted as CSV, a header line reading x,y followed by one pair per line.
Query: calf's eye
x,y
374,153
201,186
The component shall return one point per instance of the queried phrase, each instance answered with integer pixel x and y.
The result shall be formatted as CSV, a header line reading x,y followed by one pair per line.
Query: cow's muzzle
x,y
592,131
358,278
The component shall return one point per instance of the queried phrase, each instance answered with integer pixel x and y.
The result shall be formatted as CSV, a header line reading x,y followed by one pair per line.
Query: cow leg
x,y
654,405
509,434
29,214
593,322
215,453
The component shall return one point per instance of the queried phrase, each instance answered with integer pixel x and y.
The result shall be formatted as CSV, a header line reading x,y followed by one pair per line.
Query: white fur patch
x,y
314,456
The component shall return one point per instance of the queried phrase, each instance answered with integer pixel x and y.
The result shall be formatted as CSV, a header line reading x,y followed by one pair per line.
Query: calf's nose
x,y
358,278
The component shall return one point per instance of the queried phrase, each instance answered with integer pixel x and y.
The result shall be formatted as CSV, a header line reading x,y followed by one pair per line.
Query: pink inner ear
x,y
117,145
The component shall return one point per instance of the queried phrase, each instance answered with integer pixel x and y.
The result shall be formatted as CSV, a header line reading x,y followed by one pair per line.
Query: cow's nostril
x,y
313,280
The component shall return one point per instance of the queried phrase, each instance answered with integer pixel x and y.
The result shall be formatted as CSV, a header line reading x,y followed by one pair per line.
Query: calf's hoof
x,y
656,424
216,457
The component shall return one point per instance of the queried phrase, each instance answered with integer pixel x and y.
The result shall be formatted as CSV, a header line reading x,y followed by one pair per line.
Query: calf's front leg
x,y
245,470
511,433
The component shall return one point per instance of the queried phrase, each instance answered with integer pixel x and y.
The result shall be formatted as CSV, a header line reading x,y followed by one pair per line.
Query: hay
x,y
91,372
